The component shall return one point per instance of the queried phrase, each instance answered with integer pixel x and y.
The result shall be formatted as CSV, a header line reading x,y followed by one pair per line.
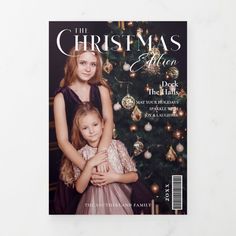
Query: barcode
x,y
177,201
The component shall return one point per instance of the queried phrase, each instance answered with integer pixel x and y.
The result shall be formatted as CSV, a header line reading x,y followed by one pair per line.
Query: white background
x,y
24,117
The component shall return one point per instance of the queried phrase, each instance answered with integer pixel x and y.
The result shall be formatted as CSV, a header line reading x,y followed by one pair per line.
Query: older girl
x,y
82,82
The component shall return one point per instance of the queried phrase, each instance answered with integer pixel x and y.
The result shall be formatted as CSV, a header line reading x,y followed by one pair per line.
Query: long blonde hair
x,y
70,69
67,172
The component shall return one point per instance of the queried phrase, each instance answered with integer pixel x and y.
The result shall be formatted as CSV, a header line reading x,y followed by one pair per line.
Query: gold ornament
x,y
180,113
182,93
136,115
119,49
147,88
177,134
128,102
138,148
155,188
130,23
152,69
155,53
171,155
132,75
168,127
133,128
114,134
107,67
172,73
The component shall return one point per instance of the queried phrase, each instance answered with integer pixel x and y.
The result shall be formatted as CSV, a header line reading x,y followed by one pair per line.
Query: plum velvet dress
x,y
114,198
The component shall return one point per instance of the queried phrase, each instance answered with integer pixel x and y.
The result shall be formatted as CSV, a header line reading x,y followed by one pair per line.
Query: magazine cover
x,y
118,117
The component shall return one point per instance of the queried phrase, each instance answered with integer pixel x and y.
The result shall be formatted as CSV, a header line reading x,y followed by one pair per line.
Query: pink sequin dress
x,y
111,199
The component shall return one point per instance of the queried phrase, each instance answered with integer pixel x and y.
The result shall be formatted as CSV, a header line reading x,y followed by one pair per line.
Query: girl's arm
x,y
130,172
84,178
127,178
62,132
112,177
107,114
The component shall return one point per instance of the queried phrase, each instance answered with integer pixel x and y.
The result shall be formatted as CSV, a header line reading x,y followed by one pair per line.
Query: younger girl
x,y
112,195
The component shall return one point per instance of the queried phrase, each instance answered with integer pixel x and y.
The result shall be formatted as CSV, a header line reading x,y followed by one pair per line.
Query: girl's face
x,y
87,65
90,126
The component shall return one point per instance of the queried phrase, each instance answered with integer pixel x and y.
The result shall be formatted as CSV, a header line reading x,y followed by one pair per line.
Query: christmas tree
x,y
149,97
